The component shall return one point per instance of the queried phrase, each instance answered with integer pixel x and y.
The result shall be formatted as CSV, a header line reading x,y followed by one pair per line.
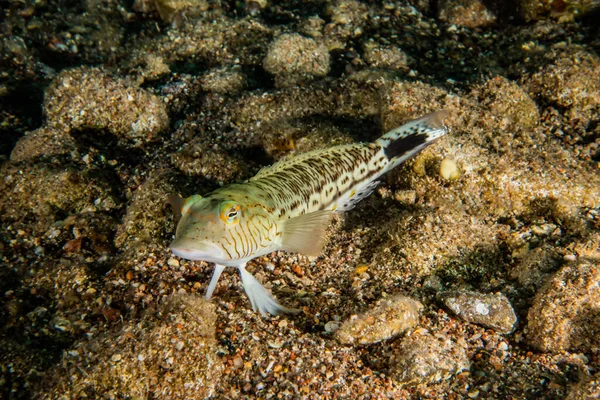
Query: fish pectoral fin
x,y
176,203
306,233
260,298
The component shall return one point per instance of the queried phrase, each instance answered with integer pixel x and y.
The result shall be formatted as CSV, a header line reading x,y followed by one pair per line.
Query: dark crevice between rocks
x,y
290,12
110,146
360,129
482,267
257,78
23,103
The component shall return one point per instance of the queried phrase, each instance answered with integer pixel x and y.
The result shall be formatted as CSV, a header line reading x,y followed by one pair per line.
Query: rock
x,y
146,219
565,11
389,317
489,310
219,164
88,98
224,81
42,142
531,267
570,81
293,58
171,10
42,194
172,352
387,57
425,358
509,106
586,389
565,315
405,101
467,13
348,18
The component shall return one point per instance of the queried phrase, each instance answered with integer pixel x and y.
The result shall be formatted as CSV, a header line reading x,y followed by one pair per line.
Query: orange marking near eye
x,y
225,214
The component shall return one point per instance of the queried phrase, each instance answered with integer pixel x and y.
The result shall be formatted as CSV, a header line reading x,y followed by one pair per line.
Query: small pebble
x,y
449,170
332,326
116,357
173,262
238,362
275,344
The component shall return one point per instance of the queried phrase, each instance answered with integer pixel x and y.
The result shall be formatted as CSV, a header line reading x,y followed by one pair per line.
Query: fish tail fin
x,y
261,299
406,141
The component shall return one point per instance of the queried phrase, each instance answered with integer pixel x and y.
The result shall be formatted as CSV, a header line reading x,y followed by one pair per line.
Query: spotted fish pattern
x,y
287,206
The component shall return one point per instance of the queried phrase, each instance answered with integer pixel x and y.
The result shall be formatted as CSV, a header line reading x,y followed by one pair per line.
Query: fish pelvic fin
x,y
261,300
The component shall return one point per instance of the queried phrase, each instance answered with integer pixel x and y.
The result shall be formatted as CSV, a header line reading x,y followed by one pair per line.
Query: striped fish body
x,y
288,206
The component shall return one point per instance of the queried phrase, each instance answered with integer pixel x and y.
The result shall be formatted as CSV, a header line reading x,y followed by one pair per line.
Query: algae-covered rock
x,y
192,159
293,58
490,310
42,142
348,19
570,81
403,101
388,57
223,81
146,220
389,317
168,354
424,357
565,315
88,98
467,13
566,10
588,388
43,194
508,105
171,10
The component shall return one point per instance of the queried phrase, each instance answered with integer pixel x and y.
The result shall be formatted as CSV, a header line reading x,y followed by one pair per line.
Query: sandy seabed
x,y
472,272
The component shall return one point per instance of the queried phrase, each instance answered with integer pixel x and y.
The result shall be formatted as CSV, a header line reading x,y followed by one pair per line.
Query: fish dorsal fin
x,y
291,160
306,233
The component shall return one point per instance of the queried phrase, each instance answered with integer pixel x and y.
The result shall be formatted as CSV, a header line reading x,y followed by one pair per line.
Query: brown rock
x,y
293,58
42,142
168,354
388,318
146,219
491,310
423,357
509,106
586,389
570,81
565,315
88,98
467,13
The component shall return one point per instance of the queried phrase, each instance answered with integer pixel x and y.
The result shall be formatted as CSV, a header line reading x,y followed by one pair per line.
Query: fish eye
x,y
230,212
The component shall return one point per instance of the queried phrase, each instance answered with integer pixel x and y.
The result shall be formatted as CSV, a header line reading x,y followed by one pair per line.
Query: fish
x,y
288,206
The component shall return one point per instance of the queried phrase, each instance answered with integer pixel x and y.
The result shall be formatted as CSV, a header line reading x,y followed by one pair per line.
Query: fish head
x,y
212,229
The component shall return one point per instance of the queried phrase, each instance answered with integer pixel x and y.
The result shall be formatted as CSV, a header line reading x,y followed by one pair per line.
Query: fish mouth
x,y
184,249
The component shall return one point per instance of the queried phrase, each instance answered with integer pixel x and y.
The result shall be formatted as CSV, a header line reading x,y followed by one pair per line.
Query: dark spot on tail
x,y
405,144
